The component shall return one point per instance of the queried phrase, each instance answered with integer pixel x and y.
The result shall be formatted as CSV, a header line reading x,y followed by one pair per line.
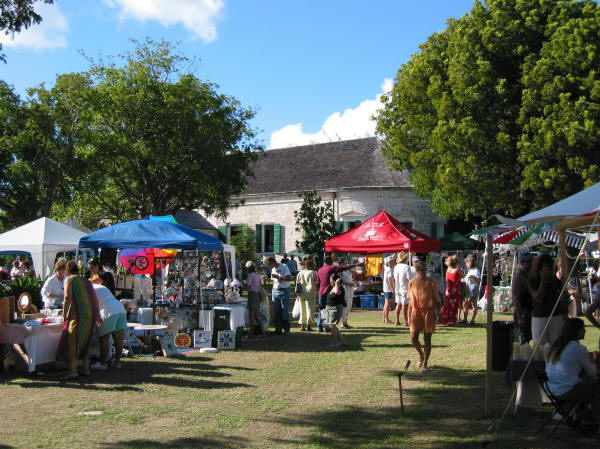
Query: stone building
x,y
350,174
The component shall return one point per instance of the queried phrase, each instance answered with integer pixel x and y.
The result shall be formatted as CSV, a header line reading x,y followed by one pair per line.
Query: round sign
x,y
141,262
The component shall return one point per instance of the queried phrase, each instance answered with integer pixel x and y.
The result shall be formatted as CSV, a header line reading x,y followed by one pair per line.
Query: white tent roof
x,y
42,238
574,211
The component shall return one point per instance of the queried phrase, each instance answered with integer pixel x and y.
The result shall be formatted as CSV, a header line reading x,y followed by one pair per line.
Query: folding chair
x,y
566,410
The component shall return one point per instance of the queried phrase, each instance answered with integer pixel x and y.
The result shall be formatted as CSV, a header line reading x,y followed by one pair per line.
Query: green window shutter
x,y
276,238
339,226
223,233
434,230
259,238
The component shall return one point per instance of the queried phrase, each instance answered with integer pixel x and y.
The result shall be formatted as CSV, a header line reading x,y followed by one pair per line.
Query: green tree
x,y
471,113
316,221
16,15
244,241
34,160
149,137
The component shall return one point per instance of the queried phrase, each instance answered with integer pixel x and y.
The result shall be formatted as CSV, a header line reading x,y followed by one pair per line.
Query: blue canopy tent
x,y
150,234
153,234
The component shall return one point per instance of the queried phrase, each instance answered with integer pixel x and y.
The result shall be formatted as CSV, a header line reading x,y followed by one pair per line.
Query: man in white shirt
x,y
348,284
402,274
281,276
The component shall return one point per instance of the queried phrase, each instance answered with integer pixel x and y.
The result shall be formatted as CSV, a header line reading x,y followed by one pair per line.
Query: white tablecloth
x,y
237,316
41,342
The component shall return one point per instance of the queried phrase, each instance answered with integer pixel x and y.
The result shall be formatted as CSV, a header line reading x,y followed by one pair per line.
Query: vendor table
x,y
237,316
503,299
148,331
41,342
528,389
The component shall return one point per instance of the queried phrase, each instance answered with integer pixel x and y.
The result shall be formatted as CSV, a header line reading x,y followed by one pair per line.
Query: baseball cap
x,y
416,259
249,264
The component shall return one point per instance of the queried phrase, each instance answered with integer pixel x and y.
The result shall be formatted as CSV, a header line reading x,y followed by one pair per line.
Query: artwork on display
x,y
202,339
168,346
226,340
182,340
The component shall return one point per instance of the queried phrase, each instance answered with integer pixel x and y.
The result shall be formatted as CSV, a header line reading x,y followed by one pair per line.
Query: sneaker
x,y
117,365
99,365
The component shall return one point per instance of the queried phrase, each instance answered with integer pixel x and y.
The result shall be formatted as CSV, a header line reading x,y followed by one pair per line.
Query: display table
x,y
503,299
40,342
528,389
237,316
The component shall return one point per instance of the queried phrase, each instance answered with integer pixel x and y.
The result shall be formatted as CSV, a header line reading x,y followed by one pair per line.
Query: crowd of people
x,y
89,308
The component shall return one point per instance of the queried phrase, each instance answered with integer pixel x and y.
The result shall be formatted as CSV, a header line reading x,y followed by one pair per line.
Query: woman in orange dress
x,y
454,276
423,298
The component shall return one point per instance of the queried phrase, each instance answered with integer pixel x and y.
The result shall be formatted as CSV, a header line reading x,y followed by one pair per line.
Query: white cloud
x,y
198,16
351,124
51,33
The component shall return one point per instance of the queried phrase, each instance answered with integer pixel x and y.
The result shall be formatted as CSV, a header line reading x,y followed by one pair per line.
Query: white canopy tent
x,y
42,238
573,212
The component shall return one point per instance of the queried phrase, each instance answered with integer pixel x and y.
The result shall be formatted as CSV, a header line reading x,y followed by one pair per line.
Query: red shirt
x,y
323,277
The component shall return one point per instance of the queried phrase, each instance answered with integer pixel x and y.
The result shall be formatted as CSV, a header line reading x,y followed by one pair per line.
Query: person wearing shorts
x,y
254,290
402,274
388,287
423,297
334,309
114,323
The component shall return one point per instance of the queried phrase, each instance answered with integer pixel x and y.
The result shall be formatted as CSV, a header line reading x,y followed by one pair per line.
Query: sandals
x,y
425,370
420,363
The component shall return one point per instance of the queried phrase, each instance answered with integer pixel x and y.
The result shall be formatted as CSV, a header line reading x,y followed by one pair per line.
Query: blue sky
x,y
312,69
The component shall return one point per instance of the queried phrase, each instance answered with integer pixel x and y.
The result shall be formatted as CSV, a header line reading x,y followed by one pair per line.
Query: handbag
x,y
297,309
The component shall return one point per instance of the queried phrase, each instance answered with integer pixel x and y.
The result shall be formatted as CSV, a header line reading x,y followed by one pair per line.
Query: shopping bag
x,y
296,310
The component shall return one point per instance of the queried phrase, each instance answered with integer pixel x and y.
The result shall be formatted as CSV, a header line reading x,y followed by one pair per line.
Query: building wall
x,y
349,205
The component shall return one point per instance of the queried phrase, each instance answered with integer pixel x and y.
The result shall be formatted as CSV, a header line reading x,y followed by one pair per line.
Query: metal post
x,y
489,323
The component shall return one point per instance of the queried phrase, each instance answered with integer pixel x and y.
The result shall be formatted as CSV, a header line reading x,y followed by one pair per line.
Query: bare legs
x,y
255,320
336,336
386,310
425,350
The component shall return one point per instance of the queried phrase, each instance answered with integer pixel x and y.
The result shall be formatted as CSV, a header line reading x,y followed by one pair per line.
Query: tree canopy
x,y
500,112
134,136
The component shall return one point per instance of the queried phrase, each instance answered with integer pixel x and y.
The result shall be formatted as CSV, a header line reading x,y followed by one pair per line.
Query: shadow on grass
x,y
136,373
182,443
298,341
443,408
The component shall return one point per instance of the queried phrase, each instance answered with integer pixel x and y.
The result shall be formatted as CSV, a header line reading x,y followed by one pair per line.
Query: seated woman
x,y
566,360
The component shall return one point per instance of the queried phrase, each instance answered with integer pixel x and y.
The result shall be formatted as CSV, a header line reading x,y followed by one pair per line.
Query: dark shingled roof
x,y
193,219
333,165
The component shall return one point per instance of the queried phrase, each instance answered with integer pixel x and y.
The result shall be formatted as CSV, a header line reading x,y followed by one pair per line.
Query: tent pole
x,y
489,326
564,261
514,269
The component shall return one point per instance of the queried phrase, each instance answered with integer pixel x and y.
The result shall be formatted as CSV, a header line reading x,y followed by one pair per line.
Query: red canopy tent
x,y
382,233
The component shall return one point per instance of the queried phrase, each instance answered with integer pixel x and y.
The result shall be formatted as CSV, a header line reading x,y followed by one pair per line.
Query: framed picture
x,y
202,339
226,340
168,346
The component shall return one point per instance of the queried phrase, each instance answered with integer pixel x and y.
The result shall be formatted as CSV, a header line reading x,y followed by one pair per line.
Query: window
x,y
351,224
408,223
269,240
234,230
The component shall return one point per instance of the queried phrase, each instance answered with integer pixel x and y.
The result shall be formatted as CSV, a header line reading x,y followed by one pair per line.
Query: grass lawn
x,y
285,392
